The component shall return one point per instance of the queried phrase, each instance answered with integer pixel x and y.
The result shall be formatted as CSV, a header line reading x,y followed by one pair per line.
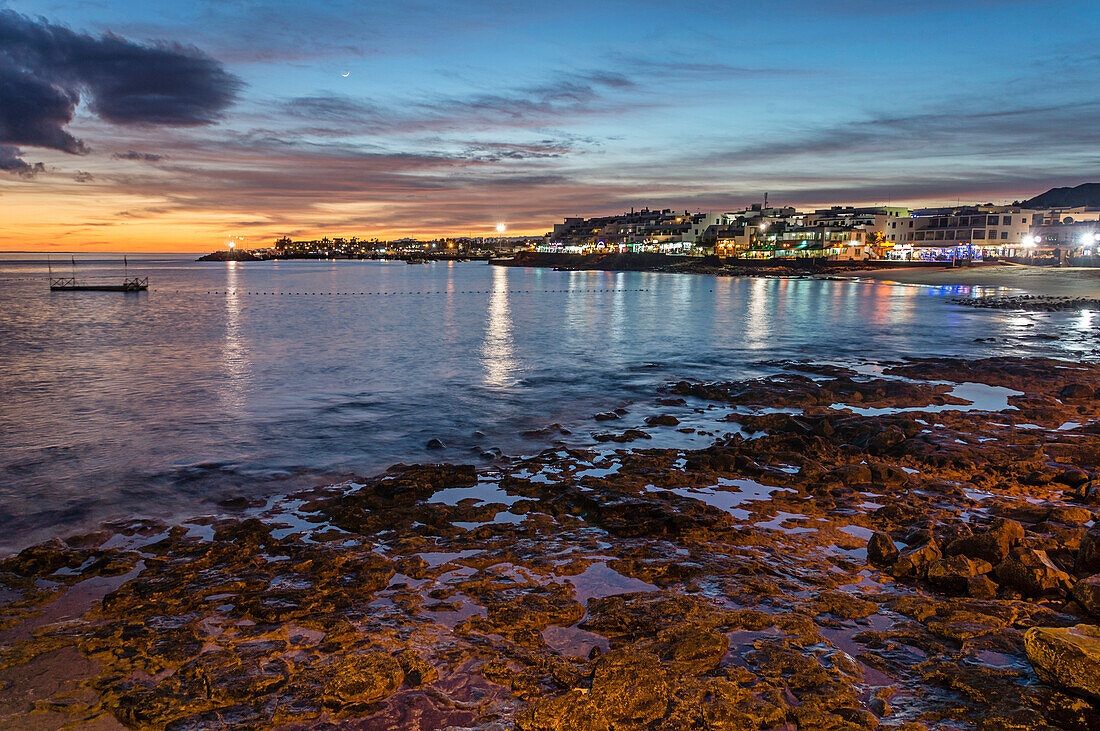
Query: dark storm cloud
x,y
46,69
34,111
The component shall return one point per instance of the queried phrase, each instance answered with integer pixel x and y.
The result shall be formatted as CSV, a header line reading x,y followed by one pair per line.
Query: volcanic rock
x,y
1088,556
881,550
630,687
1087,594
363,678
981,587
1076,391
993,545
1072,478
914,562
1068,657
1032,573
691,648
953,574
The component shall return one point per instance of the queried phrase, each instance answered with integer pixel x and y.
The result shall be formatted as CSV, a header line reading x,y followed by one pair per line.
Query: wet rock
x,y
1087,594
1032,573
1076,391
885,439
1068,657
1070,514
953,574
881,550
43,559
362,679
630,687
662,420
627,436
417,670
251,532
914,562
993,545
691,649
642,615
962,625
536,608
435,444
571,711
852,474
981,587
888,474
607,416
1072,478
1088,555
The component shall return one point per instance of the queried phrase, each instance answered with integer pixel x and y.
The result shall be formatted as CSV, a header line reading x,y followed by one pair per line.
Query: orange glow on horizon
x,y
71,217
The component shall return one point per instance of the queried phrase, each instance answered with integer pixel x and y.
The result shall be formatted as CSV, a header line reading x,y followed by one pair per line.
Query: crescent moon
x,y
346,74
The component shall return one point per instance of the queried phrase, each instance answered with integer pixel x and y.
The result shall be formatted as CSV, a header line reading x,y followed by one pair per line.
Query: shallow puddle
x,y
485,491
574,641
600,580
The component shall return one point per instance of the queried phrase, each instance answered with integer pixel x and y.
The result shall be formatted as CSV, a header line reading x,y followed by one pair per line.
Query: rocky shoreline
x,y
712,265
903,545
1031,303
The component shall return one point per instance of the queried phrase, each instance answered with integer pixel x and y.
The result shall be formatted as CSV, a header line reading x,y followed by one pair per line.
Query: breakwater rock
x,y
231,255
1031,303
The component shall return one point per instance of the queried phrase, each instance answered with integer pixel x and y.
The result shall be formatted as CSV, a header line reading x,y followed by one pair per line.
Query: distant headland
x,y
229,255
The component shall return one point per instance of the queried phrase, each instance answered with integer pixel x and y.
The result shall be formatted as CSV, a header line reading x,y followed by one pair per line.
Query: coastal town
x,y
842,233
1038,231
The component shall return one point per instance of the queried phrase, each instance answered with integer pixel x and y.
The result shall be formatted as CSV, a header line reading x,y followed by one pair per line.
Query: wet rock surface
x,y
868,548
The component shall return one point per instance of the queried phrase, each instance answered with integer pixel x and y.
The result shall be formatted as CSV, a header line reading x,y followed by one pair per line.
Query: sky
x,y
155,125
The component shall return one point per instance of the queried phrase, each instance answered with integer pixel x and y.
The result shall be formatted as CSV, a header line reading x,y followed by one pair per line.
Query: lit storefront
x,y
951,252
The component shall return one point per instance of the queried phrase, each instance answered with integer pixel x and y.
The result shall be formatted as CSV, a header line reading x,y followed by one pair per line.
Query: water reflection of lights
x,y
617,326
233,354
757,332
496,350
1085,320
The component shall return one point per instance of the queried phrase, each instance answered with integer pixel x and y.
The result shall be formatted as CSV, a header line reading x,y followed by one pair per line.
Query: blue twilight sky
x,y
456,115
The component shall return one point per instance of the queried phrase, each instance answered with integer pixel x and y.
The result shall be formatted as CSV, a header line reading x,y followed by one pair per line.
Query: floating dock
x,y
72,284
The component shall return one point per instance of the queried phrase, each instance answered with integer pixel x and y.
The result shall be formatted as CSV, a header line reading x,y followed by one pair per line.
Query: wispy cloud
x,y
140,156
569,97
947,130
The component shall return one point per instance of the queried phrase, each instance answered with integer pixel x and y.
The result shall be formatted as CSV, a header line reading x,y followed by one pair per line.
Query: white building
x,y
961,233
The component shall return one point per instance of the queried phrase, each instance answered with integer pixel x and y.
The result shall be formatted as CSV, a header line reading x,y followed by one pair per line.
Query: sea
x,y
252,379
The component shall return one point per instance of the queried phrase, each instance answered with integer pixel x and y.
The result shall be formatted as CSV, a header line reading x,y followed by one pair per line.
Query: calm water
x,y
211,385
